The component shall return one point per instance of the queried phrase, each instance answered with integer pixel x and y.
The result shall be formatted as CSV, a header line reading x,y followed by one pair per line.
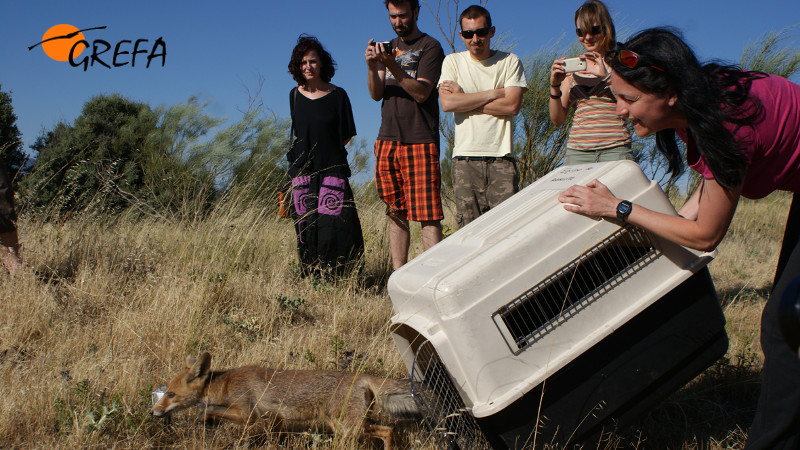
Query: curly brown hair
x,y
305,44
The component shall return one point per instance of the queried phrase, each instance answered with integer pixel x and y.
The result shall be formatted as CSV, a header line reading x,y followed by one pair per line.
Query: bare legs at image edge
x,y
10,253
400,238
9,239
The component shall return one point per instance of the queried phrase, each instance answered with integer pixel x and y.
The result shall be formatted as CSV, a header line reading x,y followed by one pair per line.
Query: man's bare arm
x,y
507,105
454,99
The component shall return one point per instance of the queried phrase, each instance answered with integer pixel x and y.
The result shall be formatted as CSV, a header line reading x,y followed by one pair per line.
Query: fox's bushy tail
x,y
393,398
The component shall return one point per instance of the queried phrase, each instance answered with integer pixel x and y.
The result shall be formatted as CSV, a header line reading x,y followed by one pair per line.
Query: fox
x,y
341,402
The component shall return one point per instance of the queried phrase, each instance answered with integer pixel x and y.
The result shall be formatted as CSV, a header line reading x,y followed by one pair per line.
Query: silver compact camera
x,y
574,64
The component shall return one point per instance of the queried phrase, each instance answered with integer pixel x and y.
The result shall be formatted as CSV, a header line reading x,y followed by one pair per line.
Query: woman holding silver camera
x,y
326,222
597,134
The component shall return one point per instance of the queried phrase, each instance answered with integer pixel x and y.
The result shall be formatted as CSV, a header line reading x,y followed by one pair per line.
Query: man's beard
x,y
404,31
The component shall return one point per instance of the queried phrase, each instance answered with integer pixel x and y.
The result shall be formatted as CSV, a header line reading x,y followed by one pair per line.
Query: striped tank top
x,y
595,125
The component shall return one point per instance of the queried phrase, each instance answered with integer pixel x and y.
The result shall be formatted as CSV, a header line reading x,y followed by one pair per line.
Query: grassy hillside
x,y
110,309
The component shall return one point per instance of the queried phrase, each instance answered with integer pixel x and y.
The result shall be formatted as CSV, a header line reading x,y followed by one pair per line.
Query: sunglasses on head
x,y
594,30
631,60
481,32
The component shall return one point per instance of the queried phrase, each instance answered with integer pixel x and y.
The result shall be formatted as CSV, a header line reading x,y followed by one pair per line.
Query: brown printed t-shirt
x,y
402,118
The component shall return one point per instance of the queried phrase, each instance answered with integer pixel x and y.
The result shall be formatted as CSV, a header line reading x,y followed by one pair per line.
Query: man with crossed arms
x,y
483,88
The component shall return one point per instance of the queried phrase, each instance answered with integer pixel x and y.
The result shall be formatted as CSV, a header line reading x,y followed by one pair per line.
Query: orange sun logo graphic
x,y
58,41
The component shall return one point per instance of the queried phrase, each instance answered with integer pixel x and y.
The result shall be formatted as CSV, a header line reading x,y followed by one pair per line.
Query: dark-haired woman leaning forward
x,y
328,230
742,131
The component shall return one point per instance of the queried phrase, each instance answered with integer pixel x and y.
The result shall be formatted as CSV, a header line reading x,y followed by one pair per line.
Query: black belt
x,y
484,158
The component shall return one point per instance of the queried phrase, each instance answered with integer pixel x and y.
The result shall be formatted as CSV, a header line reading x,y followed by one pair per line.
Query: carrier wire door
x,y
450,421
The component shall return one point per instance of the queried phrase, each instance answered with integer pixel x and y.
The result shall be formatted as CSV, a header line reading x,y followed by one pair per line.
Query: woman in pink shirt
x,y
742,131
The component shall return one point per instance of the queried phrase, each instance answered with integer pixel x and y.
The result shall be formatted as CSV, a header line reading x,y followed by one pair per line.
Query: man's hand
x,y
371,55
450,87
383,57
375,75
454,99
375,53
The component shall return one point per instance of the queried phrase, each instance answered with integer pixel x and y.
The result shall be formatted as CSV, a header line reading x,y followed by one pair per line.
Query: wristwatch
x,y
624,210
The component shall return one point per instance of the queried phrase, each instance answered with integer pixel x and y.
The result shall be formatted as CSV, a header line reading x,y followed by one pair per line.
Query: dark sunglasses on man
x,y
481,32
594,30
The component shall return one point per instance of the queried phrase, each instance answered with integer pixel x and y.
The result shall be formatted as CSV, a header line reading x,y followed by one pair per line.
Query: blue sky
x,y
218,50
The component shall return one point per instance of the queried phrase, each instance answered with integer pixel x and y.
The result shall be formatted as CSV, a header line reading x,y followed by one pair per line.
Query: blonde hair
x,y
595,10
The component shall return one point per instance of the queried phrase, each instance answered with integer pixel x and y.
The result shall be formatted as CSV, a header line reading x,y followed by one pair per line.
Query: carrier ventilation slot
x,y
585,279
449,420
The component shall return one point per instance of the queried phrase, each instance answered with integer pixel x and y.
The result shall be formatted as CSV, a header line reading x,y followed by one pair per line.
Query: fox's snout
x,y
162,408
158,410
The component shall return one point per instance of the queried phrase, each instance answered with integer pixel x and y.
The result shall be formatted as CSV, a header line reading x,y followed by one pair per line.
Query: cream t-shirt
x,y
476,133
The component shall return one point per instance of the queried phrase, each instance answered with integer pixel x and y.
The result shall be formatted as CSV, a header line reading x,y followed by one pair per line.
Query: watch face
x,y
623,209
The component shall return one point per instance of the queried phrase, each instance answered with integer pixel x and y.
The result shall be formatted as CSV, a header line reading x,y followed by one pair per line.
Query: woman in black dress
x,y
326,221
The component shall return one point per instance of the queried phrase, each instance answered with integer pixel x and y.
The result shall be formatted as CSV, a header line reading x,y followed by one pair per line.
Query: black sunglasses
x,y
631,60
481,32
594,30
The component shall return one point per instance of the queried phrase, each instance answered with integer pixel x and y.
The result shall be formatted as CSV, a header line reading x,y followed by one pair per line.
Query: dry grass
x,y
111,308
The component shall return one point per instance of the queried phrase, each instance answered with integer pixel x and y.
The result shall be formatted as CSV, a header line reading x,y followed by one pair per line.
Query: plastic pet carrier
x,y
533,325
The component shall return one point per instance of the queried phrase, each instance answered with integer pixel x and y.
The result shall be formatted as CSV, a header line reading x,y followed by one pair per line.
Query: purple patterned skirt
x,y
326,221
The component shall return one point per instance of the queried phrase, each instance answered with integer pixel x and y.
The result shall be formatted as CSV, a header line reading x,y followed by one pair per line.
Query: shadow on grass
x,y
374,280
716,407
744,293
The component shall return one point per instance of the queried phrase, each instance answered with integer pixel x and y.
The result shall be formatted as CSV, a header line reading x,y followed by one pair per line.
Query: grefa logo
x,y
65,42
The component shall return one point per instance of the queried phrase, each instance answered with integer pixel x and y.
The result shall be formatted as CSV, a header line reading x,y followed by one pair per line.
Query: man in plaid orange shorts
x,y
404,75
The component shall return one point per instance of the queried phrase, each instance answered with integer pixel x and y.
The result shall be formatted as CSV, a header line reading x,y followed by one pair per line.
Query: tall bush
x,y
117,153
11,155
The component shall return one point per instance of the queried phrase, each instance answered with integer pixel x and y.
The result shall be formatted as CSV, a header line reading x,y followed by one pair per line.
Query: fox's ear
x,y
200,367
190,361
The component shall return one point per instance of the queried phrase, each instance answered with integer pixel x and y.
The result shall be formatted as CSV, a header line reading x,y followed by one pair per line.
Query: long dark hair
x,y
305,44
707,95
